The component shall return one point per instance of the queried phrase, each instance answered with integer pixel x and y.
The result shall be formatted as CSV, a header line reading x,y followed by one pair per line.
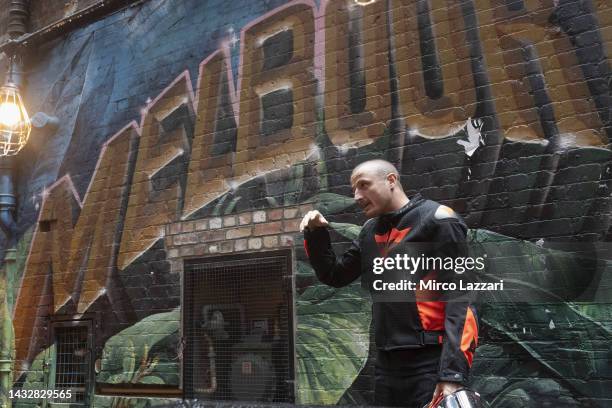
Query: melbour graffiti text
x,y
128,206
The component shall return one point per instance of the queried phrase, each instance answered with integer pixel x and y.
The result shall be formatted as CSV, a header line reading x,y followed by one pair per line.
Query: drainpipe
x,y
7,201
7,223
8,226
7,335
17,26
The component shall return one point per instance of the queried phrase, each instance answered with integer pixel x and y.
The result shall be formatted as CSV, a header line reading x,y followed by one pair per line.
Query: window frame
x,y
67,322
288,287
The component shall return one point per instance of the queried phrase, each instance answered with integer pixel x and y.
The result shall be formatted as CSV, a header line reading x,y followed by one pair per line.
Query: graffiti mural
x,y
205,110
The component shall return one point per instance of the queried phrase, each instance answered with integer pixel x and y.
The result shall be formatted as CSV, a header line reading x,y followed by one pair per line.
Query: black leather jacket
x,y
418,321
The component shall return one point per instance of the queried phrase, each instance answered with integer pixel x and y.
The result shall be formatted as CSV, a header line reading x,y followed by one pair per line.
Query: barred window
x,y
238,328
72,362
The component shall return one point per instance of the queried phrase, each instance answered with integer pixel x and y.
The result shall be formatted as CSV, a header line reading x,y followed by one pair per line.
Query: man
x,y
424,347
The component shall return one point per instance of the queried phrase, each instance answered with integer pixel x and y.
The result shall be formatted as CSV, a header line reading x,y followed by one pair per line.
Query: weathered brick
x,y
174,229
291,225
215,223
226,246
201,225
290,212
240,245
186,251
245,218
259,216
209,236
240,232
275,214
270,241
187,226
255,243
200,249
183,239
268,228
229,221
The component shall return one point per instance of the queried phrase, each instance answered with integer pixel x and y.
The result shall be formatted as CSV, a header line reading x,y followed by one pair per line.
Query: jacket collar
x,y
394,216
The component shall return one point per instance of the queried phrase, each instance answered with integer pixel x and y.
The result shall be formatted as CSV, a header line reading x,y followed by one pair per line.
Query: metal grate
x,y
238,328
72,363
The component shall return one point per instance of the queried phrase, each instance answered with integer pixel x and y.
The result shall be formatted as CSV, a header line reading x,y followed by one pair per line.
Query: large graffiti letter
x,y
538,85
277,91
214,139
155,195
357,99
434,74
604,17
96,236
72,262
46,284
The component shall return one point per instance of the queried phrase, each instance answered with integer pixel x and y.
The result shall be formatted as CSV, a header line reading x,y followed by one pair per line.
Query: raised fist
x,y
313,219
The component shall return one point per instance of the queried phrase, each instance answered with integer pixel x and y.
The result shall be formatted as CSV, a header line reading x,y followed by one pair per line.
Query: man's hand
x,y
444,389
313,219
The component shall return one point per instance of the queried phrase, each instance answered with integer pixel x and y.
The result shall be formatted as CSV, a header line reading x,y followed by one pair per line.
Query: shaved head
x,y
379,167
376,187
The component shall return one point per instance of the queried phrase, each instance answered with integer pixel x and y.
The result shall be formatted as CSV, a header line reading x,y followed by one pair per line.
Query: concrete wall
x,y
184,121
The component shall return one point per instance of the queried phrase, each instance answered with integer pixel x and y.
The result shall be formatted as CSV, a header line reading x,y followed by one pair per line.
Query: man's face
x,y
371,191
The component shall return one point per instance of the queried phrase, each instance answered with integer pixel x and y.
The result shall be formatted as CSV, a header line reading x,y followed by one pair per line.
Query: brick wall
x,y
173,112
251,231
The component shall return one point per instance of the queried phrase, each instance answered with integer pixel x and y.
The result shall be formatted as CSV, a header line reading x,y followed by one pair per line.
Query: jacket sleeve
x,y
333,271
460,321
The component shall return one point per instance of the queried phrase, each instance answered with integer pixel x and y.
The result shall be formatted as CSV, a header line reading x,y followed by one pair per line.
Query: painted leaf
x,y
525,324
151,379
146,349
329,203
350,231
332,341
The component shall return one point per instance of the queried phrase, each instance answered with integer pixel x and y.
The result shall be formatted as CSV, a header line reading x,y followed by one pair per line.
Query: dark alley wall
x,y
192,129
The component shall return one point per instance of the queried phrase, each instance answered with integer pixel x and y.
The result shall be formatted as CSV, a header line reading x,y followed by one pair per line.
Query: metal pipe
x,y
19,15
7,335
15,72
213,370
65,25
9,227
7,200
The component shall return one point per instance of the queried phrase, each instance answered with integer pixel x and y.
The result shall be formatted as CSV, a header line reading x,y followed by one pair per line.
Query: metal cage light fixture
x,y
15,124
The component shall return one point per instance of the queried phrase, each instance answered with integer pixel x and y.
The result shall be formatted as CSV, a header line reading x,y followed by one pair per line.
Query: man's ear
x,y
392,179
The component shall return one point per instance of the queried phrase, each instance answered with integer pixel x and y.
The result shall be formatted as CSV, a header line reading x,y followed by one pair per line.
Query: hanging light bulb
x,y
9,114
15,124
